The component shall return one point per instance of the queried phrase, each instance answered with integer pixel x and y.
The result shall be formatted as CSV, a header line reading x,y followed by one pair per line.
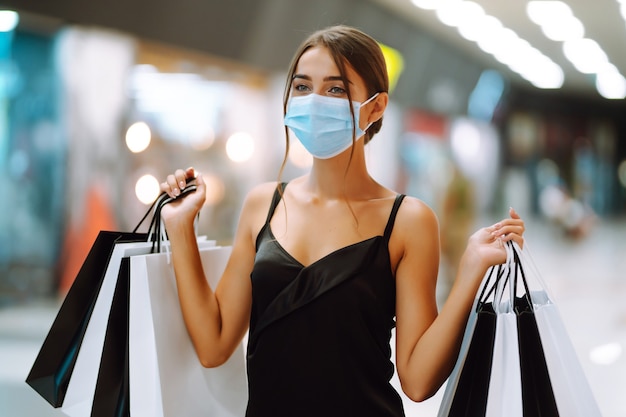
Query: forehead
x,y
318,61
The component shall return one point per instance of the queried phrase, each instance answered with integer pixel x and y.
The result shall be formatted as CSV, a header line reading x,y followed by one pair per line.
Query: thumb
x,y
190,173
200,184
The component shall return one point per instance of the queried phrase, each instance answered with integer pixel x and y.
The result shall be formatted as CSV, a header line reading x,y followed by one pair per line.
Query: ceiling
x,y
601,18
264,33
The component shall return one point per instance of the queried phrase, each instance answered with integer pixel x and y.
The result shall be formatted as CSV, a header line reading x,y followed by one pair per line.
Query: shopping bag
x,y
81,388
466,390
51,371
504,394
83,385
166,377
111,397
572,393
527,377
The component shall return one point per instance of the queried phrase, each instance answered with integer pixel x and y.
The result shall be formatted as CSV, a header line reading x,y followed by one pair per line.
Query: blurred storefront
x,y
92,119
33,153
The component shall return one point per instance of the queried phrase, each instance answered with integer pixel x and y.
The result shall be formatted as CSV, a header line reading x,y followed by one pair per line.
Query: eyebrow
x,y
329,78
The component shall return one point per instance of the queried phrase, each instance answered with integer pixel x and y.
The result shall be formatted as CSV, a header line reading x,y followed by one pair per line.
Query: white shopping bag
x,y
505,386
166,377
573,395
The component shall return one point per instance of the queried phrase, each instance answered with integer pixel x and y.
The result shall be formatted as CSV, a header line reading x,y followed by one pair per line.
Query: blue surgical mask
x,y
324,124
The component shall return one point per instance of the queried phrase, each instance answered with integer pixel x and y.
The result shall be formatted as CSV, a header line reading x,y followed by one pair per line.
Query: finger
x,y
200,185
199,180
172,182
515,237
513,213
181,179
190,173
166,186
507,229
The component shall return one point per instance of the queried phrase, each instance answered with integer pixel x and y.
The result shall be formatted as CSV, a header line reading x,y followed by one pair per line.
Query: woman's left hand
x,y
487,244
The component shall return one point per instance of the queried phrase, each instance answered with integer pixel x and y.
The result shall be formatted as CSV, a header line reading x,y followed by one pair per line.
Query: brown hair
x,y
361,52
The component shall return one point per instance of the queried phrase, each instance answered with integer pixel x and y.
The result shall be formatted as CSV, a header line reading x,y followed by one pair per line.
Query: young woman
x,y
324,267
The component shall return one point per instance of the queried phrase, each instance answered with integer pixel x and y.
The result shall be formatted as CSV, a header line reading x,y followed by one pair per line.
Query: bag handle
x,y
492,286
520,268
498,305
156,230
515,274
160,234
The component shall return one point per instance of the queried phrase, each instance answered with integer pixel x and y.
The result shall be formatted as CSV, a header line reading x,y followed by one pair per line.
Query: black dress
x,y
319,335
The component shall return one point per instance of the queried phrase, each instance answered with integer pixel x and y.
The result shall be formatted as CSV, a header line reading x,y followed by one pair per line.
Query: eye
x,y
337,90
300,88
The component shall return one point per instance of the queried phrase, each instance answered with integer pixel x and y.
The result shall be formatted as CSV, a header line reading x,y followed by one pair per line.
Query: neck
x,y
341,177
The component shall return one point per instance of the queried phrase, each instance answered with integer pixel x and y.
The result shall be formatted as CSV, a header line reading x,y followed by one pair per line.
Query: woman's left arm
x,y
428,342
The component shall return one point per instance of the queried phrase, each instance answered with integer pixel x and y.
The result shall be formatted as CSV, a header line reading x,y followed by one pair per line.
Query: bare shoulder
x,y
256,204
416,229
414,243
415,215
261,193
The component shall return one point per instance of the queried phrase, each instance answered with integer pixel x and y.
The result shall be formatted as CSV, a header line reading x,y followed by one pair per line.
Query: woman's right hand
x,y
182,209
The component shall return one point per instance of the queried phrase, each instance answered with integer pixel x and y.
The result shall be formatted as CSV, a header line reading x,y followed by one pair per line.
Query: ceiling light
x,y
547,76
426,4
504,44
8,20
544,12
610,83
454,12
563,29
499,44
586,55
480,28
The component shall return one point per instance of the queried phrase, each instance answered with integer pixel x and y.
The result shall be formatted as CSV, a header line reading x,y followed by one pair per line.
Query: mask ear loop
x,y
363,104
370,99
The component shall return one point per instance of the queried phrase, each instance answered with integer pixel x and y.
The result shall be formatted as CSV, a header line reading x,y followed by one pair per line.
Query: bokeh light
x,y
240,147
606,354
138,137
8,20
147,189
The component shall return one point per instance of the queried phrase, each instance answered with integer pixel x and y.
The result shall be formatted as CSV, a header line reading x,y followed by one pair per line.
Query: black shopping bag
x,y
537,393
52,369
470,396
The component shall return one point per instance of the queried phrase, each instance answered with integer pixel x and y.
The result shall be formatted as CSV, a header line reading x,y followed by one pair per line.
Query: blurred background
x,y
493,104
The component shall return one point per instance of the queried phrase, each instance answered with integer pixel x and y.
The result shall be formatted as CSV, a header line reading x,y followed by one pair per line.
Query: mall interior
x,y
99,101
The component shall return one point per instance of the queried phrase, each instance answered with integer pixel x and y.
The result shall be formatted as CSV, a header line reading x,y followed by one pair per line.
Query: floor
x,y
587,278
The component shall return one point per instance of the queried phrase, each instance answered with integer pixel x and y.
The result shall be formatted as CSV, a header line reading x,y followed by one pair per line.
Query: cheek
x,y
364,117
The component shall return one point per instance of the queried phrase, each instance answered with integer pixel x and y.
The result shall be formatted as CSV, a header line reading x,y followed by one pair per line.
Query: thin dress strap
x,y
392,216
278,194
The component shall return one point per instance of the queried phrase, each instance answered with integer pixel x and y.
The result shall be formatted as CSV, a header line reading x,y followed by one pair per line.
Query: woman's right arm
x,y
216,320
